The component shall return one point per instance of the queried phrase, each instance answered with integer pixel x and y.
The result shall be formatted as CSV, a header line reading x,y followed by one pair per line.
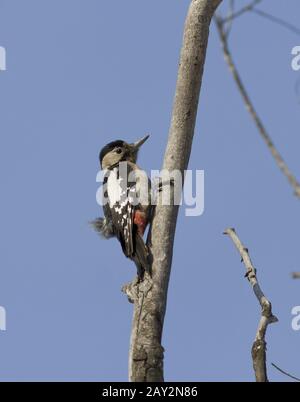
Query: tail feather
x,y
140,255
103,227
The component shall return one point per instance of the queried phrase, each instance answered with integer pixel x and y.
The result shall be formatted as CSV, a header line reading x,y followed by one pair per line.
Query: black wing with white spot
x,y
122,214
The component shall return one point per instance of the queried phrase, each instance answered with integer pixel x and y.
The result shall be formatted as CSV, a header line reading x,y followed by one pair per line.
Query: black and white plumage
x,y
127,194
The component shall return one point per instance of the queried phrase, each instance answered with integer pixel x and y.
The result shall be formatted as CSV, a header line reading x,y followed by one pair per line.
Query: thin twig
x,y
250,107
240,12
277,20
230,20
285,372
259,346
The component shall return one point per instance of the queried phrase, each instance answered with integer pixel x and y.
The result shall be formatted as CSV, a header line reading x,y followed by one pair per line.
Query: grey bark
x,y
259,346
150,297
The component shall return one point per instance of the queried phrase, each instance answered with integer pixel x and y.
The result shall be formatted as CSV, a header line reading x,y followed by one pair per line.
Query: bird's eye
x,y
118,150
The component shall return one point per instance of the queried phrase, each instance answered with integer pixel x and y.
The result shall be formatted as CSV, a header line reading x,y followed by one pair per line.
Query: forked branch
x,y
259,346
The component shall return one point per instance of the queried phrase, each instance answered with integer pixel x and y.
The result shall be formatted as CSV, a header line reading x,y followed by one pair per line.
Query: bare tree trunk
x,y
150,296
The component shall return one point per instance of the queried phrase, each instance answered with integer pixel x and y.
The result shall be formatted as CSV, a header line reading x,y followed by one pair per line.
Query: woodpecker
x,y
127,201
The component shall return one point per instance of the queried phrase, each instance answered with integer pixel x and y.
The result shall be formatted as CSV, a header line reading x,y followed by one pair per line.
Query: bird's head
x,y
119,151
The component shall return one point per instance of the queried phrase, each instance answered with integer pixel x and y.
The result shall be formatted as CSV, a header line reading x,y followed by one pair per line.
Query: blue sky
x,y
81,73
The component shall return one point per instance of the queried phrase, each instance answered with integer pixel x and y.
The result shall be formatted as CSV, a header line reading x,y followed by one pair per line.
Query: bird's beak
x,y
140,142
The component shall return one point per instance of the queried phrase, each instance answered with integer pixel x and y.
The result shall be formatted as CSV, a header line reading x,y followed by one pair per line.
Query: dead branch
x,y
259,346
250,107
